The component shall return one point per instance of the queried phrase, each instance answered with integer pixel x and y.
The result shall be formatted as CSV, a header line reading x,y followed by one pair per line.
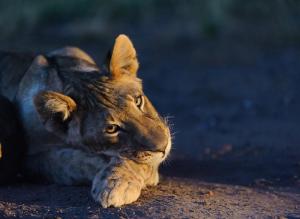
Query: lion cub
x,y
86,125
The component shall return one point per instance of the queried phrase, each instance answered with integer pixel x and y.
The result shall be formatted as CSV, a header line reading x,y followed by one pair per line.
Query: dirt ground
x,y
235,115
173,198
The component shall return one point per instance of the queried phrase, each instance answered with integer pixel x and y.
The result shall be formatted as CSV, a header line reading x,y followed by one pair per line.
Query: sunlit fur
x,y
102,100
67,105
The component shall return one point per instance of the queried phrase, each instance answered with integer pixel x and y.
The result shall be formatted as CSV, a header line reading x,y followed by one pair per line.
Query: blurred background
x,y
225,72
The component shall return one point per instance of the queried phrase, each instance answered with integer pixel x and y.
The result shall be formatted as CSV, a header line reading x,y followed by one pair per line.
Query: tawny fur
x,y
123,59
68,106
54,102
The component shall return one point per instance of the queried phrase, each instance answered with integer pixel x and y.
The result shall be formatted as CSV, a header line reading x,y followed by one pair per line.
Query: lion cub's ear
x,y
123,58
54,109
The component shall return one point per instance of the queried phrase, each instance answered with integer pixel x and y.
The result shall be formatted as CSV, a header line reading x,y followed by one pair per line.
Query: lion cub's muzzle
x,y
156,140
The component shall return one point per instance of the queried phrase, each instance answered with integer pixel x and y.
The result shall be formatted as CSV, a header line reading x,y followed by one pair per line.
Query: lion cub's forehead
x,y
113,101
127,86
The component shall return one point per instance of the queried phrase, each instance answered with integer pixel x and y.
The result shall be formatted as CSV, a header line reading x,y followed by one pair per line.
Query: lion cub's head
x,y
105,111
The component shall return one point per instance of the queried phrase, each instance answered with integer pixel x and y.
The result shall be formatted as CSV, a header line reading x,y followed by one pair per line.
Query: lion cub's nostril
x,y
153,148
160,151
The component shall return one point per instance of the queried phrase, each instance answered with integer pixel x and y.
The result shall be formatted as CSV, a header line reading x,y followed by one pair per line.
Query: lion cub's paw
x,y
153,180
116,189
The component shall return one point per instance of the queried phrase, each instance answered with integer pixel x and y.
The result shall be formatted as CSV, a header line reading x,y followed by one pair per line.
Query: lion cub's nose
x,y
161,142
155,139
161,148
156,144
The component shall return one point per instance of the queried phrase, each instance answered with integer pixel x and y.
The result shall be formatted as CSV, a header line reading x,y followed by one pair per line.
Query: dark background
x,y
226,72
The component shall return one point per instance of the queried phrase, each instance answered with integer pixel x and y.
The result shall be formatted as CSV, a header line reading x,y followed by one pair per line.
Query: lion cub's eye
x,y
139,101
112,128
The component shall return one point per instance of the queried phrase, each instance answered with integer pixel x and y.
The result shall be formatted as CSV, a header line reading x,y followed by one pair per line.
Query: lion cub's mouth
x,y
148,156
144,156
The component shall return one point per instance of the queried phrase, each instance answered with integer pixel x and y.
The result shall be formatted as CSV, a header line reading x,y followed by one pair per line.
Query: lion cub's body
x,y
12,145
83,125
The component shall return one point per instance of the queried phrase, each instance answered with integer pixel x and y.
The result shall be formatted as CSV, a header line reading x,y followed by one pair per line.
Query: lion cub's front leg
x,y
121,182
